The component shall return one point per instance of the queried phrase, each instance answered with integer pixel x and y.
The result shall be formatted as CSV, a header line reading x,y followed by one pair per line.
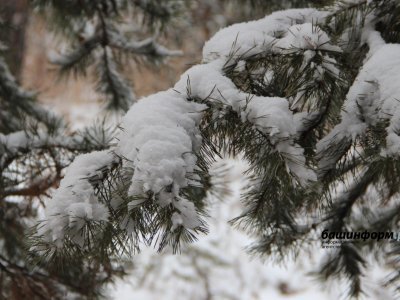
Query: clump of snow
x,y
18,141
247,39
159,141
373,97
187,215
271,115
372,37
75,201
307,37
13,141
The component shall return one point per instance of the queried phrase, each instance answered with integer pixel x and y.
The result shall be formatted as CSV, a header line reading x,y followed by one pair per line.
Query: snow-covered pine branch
x,y
308,97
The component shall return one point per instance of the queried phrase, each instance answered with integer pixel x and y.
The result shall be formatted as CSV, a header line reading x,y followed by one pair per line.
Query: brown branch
x,y
36,189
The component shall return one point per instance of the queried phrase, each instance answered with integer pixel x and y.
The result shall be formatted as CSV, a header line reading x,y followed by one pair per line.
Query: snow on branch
x,y
160,137
283,92
161,140
75,201
373,98
273,33
158,143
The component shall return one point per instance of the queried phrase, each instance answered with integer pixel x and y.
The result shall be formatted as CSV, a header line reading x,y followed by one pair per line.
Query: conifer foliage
x,y
308,97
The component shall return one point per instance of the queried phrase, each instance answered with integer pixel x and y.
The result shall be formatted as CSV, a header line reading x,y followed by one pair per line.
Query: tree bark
x,y
14,15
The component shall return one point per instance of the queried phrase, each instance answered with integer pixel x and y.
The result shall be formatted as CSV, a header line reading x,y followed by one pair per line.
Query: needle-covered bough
x,y
310,98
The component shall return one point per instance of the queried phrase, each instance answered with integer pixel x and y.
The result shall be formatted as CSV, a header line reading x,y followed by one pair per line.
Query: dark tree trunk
x,y
14,15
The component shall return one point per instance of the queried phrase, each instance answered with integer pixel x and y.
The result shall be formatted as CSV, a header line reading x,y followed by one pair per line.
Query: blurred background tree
x,y
14,16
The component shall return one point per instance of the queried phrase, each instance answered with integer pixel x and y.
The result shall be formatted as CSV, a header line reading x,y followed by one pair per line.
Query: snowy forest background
x,y
217,265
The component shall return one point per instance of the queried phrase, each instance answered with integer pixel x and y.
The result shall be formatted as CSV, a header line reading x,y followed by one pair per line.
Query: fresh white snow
x,y
160,139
